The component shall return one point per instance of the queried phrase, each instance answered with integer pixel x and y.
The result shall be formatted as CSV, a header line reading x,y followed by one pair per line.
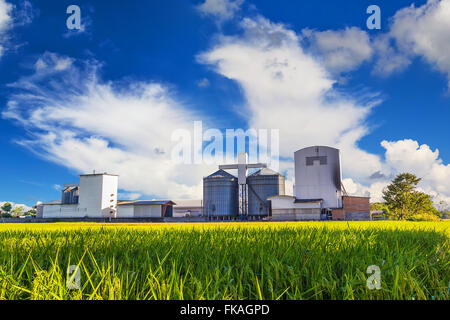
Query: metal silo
x,y
70,195
220,194
318,175
261,185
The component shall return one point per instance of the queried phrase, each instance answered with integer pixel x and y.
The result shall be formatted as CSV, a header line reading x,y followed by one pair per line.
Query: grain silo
x,y
318,175
261,185
220,195
70,194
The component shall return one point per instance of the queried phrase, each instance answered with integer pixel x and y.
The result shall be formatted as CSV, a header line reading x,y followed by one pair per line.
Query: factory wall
x,y
110,187
62,211
356,208
148,211
98,195
284,208
318,175
125,211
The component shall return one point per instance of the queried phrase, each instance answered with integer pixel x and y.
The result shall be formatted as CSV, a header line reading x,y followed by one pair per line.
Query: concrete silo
x,y
261,185
220,195
318,175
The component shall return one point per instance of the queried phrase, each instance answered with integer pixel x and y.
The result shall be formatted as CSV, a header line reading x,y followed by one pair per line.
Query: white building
x,y
95,196
289,208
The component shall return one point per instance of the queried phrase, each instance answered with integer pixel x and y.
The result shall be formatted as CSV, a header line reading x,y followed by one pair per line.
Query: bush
x,y
424,217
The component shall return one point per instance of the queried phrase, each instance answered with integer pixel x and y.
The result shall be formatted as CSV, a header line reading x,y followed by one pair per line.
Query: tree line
x,y
7,211
402,201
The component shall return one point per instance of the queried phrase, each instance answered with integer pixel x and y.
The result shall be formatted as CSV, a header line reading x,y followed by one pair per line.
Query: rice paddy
x,y
292,260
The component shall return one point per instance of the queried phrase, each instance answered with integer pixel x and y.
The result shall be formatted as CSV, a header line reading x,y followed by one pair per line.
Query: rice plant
x,y
303,260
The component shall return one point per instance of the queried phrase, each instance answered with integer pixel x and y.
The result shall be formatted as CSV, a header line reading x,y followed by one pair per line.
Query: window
x,y
323,160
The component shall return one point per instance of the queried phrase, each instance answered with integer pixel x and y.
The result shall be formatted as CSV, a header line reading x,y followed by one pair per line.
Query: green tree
x,y
31,212
404,201
17,211
6,208
421,204
398,194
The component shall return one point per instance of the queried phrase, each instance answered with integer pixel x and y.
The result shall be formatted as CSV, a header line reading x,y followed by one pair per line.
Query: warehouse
x,y
187,208
145,209
95,197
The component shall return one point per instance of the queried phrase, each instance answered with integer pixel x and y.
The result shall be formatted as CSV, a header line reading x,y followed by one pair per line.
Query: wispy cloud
x,y
220,9
290,88
81,122
5,22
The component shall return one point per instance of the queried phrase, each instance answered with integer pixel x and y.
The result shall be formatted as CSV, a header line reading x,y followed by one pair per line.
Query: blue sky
x,y
388,112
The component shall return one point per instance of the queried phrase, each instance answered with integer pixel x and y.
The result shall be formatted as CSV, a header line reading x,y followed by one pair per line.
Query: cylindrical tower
x,y
220,194
261,185
318,175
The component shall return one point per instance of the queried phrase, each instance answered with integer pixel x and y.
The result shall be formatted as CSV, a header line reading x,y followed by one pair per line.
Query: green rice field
x,y
264,260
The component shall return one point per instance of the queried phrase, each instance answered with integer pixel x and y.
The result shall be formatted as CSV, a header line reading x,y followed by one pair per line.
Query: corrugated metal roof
x,y
145,202
221,174
53,202
266,172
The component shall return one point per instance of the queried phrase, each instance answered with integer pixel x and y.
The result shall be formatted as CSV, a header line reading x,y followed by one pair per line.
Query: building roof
x,y
294,198
221,174
144,202
70,188
188,203
323,147
265,172
98,174
52,202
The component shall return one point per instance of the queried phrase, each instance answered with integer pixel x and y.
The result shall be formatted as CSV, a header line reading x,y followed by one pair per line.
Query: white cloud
x,y
79,121
5,22
13,16
203,83
5,15
408,156
341,50
16,205
220,9
128,196
288,89
418,31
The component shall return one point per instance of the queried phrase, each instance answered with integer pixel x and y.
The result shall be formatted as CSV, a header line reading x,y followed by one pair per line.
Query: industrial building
x,y
318,191
318,195
188,208
95,196
227,197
